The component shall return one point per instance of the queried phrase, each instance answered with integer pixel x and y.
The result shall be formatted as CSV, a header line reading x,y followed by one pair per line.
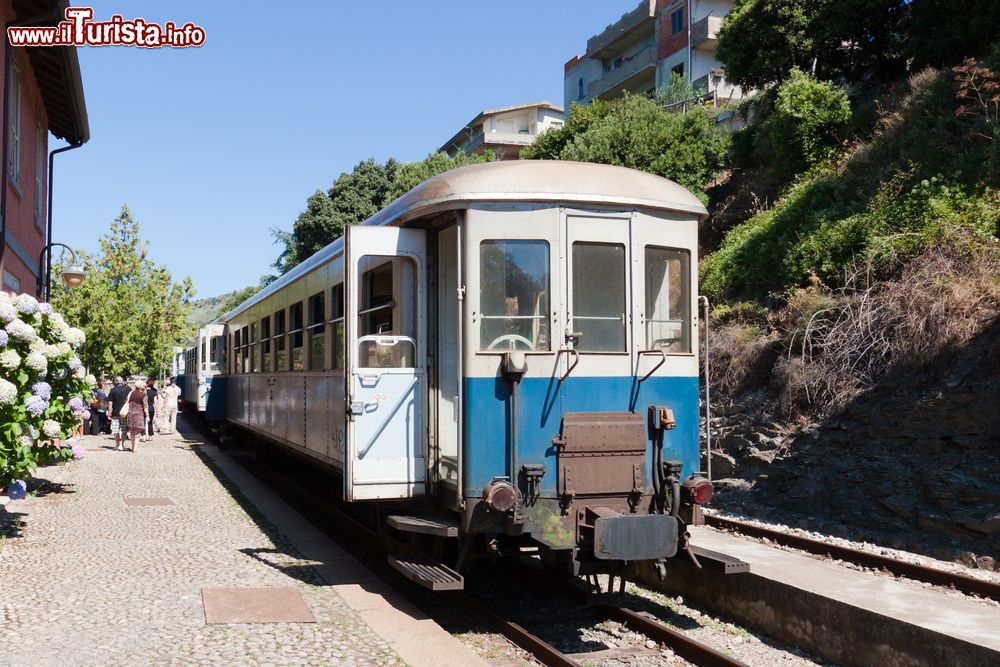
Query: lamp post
x,y
73,275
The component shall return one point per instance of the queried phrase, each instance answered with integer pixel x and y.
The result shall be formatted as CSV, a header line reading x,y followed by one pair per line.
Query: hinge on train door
x,y
636,494
461,293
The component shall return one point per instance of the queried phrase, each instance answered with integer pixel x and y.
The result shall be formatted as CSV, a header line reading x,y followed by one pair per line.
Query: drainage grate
x,y
255,605
144,502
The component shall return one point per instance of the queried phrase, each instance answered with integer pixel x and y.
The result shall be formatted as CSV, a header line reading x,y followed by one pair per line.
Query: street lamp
x,y
73,275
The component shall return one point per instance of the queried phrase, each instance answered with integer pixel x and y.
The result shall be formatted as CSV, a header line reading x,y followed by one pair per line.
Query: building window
x,y
337,325
317,332
14,113
514,295
677,21
10,282
579,89
668,300
39,175
678,69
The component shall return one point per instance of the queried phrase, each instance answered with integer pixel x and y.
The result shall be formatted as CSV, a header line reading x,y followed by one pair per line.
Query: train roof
x,y
512,181
537,181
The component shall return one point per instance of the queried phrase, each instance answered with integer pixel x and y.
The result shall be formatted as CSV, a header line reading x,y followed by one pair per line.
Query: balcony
x,y
705,32
642,62
640,19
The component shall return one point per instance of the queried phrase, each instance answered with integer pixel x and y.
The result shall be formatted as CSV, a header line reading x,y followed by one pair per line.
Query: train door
x,y
449,371
385,376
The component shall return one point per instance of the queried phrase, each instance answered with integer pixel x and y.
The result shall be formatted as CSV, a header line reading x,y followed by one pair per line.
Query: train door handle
x,y
359,407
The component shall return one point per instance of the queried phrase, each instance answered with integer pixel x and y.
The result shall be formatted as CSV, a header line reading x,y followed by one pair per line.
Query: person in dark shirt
x,y
151,398
98,409
118,398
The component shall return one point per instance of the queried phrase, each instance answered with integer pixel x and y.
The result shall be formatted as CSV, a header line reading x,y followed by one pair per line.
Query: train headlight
x,y
698,489
500,495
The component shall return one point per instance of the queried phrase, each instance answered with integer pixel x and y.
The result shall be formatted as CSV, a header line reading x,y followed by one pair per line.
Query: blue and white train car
x,y
507,355
202,363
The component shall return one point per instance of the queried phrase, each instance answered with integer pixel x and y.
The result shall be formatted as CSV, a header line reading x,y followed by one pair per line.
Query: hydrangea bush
x,y
44,389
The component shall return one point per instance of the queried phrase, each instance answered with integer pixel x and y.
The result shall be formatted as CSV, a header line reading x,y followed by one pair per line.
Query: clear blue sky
x,y
210,147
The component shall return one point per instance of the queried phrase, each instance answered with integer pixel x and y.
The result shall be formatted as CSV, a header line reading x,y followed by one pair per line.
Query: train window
x,y
317,332
280,356
386,324
204,357
245,354
337,325
514,295
295,334
254,351
236,351
668,299
213,353
599,296
265,344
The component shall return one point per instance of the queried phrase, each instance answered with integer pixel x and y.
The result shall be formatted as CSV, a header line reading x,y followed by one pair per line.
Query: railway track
x,y
368,542
901,568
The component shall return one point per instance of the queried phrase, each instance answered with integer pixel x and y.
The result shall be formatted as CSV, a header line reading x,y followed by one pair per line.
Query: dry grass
x,y
833,345
869,328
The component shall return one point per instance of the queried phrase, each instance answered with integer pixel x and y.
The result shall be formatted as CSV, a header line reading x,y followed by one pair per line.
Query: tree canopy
x,y
130,308
857,41
354,197
636,132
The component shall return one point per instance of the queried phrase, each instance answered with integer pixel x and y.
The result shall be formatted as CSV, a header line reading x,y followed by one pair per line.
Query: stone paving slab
x,y
92,581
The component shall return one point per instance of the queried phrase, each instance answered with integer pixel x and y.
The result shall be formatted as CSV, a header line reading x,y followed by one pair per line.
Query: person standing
x,y
118,399
137,412
151,400
169,398
98,410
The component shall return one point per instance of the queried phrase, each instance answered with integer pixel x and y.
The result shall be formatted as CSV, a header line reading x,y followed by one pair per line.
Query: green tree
x,y
761,41
353,198
239,296
635,132
130,308
550,144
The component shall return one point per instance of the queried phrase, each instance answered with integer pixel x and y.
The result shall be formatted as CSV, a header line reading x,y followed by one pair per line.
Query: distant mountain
x,y
205,310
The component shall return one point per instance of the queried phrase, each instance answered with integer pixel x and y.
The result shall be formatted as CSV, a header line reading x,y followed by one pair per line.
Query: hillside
x,y
205,310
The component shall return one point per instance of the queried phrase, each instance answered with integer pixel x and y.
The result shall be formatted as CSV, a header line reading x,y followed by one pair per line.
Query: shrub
x,y
44,388
805,125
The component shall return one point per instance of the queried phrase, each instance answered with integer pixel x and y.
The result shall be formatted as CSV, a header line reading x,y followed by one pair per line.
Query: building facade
x,y
44,96
639,52
504,130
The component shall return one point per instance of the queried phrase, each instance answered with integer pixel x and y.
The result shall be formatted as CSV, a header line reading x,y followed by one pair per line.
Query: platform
x,y
848,616
177,555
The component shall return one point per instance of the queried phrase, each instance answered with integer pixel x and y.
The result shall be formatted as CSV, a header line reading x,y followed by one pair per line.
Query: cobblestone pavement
x,y
91,581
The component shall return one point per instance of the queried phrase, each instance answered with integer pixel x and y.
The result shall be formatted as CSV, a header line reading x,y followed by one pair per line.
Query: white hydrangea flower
x,y
91,380
26,304
10,359
64,348
80,373
38,345
36,362
8,392
75,337
21,330
50,428
7,312
26,440
5,298
51,352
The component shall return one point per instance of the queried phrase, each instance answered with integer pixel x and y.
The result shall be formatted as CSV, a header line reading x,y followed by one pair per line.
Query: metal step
x,y
719,562
428,525
427,573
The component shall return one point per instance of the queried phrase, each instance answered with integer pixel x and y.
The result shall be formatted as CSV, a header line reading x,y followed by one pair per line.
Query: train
x,y
503,360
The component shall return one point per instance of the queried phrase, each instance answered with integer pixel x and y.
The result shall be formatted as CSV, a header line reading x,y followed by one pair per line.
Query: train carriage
x,y
507,355
200,365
